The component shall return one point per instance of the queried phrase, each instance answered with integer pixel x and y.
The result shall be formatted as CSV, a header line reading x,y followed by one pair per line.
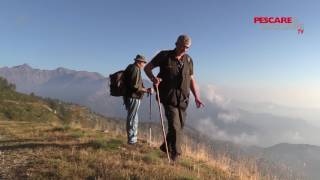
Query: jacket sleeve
x,y
158,59
134,80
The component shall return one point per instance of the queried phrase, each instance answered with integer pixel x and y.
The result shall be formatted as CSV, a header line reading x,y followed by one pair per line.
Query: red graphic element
x,y
272,20
300,29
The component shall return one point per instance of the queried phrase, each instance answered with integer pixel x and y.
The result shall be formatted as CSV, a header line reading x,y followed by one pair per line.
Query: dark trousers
x,y
176,118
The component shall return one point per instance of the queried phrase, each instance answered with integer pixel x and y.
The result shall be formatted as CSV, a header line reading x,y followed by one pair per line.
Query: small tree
x,y
4,84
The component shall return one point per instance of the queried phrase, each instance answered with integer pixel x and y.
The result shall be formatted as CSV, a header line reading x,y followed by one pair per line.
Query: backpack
x,y
117,84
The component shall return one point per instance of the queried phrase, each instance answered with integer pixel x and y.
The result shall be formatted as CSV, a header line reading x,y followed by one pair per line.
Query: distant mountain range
x,y
218,120
309,114
85,88
300,157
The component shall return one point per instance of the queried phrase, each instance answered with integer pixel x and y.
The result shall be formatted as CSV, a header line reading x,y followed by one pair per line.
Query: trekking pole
x,y
161,118
150,118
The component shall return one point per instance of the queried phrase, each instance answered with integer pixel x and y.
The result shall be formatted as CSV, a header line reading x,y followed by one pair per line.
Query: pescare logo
x,y
279,23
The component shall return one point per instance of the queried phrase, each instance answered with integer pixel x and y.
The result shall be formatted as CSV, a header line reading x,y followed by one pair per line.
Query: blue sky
x,y
228,48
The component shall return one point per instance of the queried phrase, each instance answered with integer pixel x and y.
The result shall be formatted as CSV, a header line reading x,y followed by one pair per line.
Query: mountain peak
x,y
23,66
62,69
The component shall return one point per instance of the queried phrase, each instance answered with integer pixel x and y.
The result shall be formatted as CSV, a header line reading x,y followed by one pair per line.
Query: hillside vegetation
x,y
48,139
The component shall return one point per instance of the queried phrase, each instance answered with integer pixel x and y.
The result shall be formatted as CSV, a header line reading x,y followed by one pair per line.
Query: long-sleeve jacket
x,y
134,83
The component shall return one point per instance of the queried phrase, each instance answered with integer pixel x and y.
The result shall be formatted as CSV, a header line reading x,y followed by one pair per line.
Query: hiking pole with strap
x,y
162,124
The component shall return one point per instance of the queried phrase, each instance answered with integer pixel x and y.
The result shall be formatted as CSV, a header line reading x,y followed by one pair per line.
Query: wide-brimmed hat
x,y
140,58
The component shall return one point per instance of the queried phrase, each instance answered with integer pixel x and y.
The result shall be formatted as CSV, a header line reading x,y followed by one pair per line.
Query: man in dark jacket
x,y
134,94
175,80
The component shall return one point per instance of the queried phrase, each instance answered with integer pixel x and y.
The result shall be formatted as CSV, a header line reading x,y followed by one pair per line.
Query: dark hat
x,y
140,58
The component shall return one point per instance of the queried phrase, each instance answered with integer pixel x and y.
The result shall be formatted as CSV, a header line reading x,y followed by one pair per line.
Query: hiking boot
x,y
175,157
132,143
163,148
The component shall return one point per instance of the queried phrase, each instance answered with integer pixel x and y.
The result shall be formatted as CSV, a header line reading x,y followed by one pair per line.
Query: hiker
x,y
133,95
174,81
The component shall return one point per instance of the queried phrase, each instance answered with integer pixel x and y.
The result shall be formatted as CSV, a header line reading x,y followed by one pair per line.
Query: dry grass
x,y
53,151
199,158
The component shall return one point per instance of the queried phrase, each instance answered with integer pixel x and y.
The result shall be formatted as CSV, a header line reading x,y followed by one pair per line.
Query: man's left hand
x,y
199,103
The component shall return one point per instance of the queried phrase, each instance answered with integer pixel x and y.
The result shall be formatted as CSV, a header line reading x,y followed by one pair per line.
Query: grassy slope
x,y
42,151
47,140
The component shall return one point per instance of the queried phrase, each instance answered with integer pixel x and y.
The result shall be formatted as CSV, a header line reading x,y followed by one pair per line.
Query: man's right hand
x,y
150,91
156,81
